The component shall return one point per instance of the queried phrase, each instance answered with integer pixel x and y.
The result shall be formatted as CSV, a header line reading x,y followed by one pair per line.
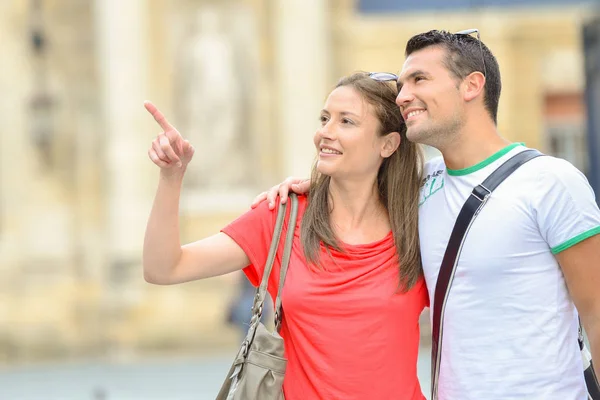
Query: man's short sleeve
x,y
253,232
564,205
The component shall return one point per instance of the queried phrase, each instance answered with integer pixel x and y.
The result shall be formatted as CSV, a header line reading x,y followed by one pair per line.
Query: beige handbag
x,y
259,367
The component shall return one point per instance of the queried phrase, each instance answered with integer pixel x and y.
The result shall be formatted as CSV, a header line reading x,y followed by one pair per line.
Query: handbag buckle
x,y
245,349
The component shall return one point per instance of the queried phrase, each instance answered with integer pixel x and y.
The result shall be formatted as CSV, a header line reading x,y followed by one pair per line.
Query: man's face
x,y
430,99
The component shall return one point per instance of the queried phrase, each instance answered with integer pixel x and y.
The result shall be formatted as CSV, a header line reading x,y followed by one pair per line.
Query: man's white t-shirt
x,y
510,326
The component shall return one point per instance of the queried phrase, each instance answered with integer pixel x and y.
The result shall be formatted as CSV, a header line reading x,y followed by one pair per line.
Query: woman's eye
x,y
347,121
323,119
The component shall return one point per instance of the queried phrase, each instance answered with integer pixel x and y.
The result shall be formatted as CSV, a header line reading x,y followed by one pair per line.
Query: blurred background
x,y
244,81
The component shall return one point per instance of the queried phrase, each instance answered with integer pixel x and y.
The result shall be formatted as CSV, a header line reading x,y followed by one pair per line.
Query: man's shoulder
x,y
554,169
433,179
433,165
545,179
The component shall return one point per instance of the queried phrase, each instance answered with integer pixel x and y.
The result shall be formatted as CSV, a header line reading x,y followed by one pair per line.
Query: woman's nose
x,y
326,131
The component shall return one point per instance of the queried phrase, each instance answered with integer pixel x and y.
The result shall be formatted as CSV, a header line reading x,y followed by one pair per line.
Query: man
x,y
531,256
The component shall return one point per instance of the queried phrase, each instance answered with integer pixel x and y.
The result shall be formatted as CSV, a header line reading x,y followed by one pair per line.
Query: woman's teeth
x,y
329,151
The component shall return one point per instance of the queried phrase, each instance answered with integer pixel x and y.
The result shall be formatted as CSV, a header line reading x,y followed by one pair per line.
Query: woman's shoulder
x,y
302,204
264,210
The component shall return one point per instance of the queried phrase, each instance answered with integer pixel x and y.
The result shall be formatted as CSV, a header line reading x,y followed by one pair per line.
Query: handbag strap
x,y
259,299
473,205
285,261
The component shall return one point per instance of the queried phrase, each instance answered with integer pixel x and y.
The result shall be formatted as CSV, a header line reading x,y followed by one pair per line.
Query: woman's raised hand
x,y
169,150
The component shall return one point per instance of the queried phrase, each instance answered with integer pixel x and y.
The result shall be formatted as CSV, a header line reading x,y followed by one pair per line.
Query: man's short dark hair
x,y
464,58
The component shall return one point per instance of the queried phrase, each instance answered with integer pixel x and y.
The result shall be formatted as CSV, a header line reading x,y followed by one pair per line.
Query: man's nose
x,y
404,97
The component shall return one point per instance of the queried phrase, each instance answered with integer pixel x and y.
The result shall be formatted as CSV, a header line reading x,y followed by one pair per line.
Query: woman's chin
x,y
325,169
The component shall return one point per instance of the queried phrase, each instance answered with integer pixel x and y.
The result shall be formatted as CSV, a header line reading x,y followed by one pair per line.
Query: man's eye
x,y
347,121
419,78
323,119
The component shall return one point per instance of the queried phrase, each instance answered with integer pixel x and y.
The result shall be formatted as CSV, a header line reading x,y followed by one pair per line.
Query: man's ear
x,y
473,85
390,144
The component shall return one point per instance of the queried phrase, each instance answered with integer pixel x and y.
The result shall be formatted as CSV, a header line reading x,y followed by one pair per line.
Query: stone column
x,y
122,43
302,64
15,162
527,93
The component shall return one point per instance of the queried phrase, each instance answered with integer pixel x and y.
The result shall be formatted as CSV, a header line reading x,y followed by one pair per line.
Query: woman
x,y
354,289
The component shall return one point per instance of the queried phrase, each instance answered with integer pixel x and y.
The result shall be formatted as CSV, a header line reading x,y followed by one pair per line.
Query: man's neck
x,y
471,146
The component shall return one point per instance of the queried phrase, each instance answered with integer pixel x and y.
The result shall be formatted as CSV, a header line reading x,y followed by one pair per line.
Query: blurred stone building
x,y
244,80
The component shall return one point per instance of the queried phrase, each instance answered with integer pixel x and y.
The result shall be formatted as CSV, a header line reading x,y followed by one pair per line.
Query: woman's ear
x,y
391,142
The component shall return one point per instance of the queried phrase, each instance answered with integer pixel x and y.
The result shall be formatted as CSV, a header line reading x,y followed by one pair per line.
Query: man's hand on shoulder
x,y
296,185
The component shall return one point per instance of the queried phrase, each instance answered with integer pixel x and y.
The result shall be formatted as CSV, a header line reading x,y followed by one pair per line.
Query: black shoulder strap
x,y
467,214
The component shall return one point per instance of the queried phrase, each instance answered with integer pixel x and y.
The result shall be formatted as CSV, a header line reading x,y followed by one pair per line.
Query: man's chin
x,y
413,134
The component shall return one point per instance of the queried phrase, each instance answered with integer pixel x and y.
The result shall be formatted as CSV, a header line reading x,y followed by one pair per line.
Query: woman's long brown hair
x,y
398,182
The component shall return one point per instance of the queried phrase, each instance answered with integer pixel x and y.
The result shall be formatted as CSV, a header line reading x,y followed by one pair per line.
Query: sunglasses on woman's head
x,y
385,77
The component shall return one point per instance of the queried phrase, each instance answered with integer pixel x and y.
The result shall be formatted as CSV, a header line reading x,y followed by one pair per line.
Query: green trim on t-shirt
x,y
579,238
431,191
484,163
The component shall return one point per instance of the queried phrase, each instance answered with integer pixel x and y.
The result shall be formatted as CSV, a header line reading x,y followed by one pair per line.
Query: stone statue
x,y
213,106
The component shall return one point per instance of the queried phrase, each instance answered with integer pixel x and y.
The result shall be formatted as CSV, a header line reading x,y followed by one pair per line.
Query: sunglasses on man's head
x,y
388,76
469,32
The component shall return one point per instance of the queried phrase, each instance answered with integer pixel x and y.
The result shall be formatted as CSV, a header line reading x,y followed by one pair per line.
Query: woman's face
x,y
348,143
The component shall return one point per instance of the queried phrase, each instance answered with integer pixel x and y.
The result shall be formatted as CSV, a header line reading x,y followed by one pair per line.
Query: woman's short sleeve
x,y
253,231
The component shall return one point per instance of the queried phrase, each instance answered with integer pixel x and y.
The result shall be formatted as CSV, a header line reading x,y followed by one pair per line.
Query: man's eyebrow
x,y
412,75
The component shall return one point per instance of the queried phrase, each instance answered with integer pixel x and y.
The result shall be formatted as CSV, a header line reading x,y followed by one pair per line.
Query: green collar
x,y
484,163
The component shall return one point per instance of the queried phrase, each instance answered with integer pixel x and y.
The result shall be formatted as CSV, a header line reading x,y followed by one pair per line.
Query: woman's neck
x,y
357,213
